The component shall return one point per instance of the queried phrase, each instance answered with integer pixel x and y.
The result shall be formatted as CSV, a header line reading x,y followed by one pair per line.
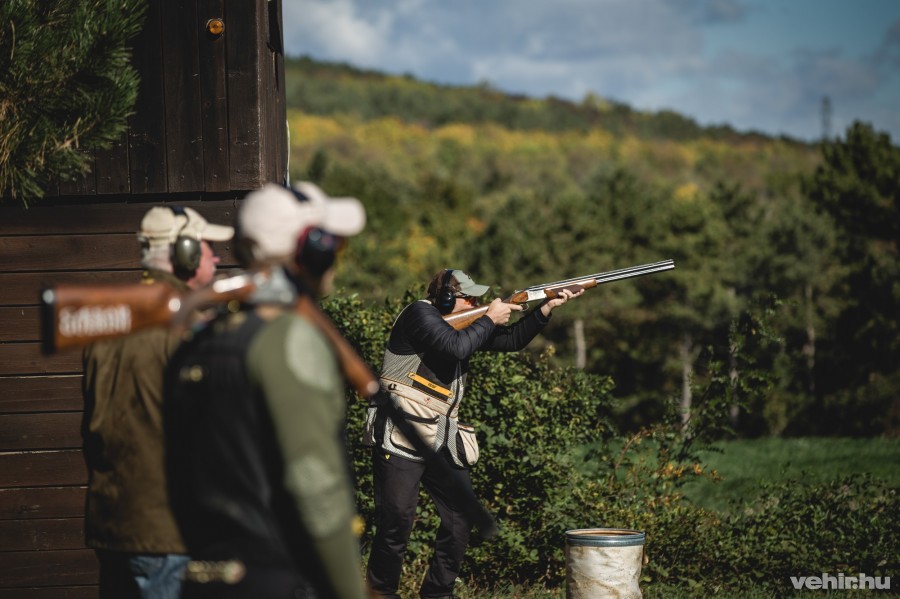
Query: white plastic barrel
x,y
603,562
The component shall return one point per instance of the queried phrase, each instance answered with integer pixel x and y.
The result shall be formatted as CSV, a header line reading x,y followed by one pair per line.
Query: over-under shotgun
x,y
462,319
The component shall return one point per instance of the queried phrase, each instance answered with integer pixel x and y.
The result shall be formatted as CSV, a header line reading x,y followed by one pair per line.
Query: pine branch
x,y
67,87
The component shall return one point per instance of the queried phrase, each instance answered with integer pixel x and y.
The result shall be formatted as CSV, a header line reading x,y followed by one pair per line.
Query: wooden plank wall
x,y
210,114
209,125
42,474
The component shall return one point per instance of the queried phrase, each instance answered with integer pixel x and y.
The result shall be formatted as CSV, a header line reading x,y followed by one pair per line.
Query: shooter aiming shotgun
x,y
460,320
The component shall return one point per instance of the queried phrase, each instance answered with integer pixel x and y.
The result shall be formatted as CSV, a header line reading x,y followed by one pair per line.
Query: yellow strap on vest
x,y
429,384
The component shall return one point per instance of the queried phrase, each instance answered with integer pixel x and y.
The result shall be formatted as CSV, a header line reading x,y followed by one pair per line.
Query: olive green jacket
x,y
127,505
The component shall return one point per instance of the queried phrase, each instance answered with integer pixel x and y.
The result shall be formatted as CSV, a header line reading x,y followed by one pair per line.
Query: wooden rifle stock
x,y
75,315
354,368
462,319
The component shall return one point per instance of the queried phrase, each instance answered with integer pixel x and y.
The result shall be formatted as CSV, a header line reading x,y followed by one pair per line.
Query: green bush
x,y
552,461
847,526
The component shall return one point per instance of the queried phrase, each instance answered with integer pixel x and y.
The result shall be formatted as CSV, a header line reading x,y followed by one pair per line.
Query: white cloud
x,y
334,29
651,54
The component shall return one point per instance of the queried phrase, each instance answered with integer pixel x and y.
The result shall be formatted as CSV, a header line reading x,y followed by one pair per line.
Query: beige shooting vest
x,y
429,406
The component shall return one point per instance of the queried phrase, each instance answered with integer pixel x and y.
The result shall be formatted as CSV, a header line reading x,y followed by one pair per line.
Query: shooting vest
x,y
428,405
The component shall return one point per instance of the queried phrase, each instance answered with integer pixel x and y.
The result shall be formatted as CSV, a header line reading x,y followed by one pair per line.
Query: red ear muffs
x,y
317,250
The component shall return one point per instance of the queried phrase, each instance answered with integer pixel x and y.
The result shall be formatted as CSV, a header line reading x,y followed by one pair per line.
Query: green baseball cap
x,y
459,282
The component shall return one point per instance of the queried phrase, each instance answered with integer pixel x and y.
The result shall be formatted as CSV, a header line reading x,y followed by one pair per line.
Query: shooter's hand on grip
x,y
500,312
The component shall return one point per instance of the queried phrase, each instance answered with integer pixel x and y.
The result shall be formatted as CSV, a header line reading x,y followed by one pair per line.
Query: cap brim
x,y
474,290
217,232
339,216
344,216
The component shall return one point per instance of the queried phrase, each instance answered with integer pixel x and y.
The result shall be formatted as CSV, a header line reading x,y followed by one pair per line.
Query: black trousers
x,y
396,482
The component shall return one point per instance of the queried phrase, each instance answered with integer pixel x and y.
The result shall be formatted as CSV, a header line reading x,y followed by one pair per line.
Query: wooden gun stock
x,y
460,320
75,315
354,368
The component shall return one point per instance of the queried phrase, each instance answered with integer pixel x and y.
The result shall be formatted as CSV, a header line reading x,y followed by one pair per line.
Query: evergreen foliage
x,y
858,187
66,87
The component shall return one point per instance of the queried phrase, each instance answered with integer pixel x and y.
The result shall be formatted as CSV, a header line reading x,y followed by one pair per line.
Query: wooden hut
x,y
209,126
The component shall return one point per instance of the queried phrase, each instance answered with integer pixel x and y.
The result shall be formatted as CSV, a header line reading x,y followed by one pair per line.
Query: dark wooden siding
x,y
209,126
42,474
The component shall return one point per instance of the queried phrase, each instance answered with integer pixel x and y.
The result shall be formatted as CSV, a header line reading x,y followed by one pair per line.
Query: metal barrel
x,y
636,271
612,275
604,563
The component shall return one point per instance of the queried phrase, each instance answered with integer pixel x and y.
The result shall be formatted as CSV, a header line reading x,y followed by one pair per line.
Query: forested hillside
x,y
786,252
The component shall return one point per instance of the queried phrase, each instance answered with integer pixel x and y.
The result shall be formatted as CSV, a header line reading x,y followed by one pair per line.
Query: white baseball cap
x,y
275,216
164,224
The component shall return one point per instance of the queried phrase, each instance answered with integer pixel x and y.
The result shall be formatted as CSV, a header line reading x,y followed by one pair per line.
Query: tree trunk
x,y
734,411
580,346
687,371
809,348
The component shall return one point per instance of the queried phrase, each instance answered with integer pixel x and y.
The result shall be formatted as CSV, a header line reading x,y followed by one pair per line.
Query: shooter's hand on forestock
x,y
500,312
561,297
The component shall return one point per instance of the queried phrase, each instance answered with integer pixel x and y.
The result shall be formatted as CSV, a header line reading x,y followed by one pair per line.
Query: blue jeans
x,y
139,576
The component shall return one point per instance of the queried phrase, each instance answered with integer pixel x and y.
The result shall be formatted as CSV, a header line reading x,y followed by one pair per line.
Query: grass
x,y
744,464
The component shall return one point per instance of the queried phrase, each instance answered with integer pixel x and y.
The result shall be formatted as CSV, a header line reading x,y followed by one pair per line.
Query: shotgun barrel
x,y
546,290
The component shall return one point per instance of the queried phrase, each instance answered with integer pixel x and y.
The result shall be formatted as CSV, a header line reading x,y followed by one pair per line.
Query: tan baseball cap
x,y
275,216
165,224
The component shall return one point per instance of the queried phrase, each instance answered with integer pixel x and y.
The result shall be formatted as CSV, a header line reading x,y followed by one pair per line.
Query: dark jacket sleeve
x,y
425,331
516,336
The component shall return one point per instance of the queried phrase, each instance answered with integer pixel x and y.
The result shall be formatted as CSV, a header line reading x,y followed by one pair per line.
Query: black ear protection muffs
x,y
185,251
445,300
317,250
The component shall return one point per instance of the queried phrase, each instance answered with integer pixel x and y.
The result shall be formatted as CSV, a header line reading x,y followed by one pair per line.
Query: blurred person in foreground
x,y
425,367
255,406
127,517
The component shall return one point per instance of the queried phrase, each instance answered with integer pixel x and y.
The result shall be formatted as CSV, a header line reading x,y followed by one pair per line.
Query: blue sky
x,y
761,65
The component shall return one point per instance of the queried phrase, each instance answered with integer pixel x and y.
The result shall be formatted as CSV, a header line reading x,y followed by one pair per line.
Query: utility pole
x,y
826,118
